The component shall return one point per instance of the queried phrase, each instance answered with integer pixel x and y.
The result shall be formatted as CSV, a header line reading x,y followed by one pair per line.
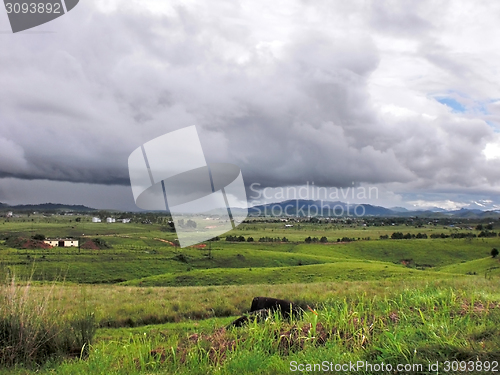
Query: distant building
x,y
9,214
110,220
61,242
125,221
96,220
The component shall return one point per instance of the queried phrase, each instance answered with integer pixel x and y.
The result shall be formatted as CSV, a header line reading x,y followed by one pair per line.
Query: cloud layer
x,y
291,92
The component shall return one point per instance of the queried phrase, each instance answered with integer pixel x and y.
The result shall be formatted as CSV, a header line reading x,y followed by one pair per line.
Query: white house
x,y
110,220
61,242
96,220
125,221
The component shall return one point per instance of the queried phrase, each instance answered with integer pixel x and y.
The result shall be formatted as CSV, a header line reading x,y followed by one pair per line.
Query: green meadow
x,y
139,304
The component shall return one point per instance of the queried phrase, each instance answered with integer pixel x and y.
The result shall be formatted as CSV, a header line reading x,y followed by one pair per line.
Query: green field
x,y
397,301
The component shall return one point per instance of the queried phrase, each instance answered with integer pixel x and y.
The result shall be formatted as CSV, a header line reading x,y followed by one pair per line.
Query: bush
x,y
235,238
191,224
487,233
494,252
397,236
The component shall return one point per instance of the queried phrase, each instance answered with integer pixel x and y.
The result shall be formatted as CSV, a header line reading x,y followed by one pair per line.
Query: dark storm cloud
x,y
286,93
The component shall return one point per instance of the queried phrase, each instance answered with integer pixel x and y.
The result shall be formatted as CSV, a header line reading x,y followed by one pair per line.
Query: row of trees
x,y
315,239
325,240
401,236
230,238
409,236
487,227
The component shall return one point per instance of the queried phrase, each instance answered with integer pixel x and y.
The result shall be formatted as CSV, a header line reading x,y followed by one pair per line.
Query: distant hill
x,y
300,207
295,207
304,208
398,209
46,207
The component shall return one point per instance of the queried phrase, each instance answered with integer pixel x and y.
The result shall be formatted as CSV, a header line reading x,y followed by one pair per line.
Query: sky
x,y
401,96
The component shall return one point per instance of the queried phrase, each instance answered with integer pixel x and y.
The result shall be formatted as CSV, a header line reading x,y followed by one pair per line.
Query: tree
x,y
479,227
39,237
323,239
489,227
191,224
494,252
250,239
308,239
397,236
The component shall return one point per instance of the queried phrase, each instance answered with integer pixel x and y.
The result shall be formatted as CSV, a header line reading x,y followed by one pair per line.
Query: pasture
x,y
158,308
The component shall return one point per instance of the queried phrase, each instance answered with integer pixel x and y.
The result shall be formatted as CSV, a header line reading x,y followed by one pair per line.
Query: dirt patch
x,y
217,344
95,244
90,245
477,308
166,241
26,243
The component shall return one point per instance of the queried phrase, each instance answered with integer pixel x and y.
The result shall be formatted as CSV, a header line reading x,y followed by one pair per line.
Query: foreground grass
x,y
34,328
405,321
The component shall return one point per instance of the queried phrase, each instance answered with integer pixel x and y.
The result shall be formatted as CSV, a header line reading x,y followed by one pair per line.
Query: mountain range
x,y
46,207
296,207
299,207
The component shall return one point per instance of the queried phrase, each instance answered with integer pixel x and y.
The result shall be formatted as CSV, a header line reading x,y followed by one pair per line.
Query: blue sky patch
x,y
452,103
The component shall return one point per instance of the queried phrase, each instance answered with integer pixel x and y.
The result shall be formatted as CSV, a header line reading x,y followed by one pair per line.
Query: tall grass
x,y
33,329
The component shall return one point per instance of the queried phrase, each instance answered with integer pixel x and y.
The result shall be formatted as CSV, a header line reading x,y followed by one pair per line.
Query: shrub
x,y
494,252
397,236
235,238
487,233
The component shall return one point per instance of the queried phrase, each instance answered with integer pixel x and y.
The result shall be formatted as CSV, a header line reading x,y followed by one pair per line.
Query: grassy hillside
x,y
338,271
485,267
161,309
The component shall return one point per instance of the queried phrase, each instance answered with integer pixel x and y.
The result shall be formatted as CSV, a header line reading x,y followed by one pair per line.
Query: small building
x,y
96,220
124,221
110,220
9,214
61,242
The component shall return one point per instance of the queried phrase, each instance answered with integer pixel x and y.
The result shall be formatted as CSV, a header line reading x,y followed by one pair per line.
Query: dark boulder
x,y
263,307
